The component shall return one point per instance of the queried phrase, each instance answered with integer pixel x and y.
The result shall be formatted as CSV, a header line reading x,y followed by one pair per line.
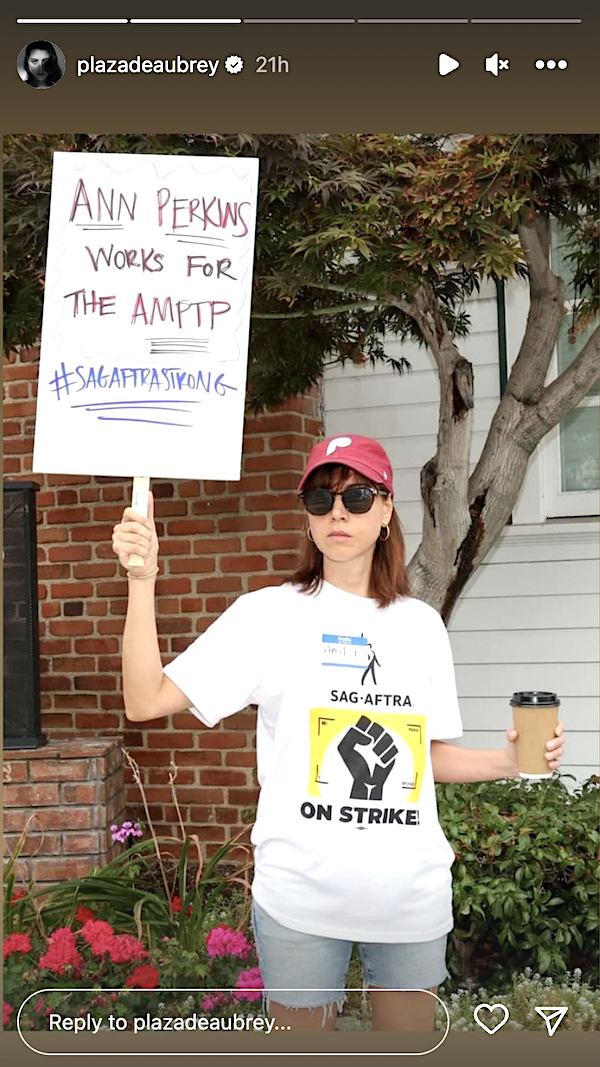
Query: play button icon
x,y
446,64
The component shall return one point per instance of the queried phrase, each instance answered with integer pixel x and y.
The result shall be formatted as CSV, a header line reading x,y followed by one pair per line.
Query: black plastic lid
x,y
534,698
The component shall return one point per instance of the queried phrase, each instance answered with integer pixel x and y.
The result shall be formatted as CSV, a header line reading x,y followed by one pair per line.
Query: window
x,y
571,455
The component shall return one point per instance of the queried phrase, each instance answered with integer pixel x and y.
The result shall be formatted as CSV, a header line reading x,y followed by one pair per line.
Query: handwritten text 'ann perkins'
x,y
207,213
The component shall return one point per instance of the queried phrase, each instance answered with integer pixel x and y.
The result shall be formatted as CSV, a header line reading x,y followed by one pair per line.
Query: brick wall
x,y
65,795
217,540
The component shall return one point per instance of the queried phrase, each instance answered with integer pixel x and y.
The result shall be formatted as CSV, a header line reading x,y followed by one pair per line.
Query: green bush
x,y
525,880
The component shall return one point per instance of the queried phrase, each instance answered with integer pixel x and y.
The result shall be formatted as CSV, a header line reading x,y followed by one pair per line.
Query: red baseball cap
x,y
362,454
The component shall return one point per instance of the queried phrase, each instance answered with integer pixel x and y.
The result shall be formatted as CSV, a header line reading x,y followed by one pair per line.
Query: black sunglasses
x,y
357,499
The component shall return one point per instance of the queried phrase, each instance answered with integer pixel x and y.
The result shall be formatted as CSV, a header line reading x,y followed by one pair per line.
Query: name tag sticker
x,y
341,651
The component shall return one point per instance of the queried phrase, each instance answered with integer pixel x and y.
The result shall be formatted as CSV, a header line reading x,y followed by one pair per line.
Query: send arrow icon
x,y
552,1017
446,63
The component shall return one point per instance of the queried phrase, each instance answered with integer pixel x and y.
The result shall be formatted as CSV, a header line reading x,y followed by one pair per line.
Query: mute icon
x,y
494,64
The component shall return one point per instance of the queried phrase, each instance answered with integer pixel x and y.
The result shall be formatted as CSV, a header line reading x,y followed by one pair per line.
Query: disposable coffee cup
x,y
535,716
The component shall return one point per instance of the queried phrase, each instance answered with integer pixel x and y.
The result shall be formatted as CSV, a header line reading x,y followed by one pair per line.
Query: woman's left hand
x,y
554,750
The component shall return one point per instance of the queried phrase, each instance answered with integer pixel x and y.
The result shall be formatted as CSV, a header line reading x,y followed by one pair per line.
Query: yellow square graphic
x,y
326,725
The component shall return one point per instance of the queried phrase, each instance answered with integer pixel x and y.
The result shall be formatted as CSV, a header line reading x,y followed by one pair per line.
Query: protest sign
x,y
146,315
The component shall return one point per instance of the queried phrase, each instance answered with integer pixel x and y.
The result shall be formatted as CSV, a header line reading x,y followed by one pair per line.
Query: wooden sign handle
x,y
139,502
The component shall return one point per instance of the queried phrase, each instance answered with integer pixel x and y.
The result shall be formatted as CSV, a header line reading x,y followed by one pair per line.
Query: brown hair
x,y
389,578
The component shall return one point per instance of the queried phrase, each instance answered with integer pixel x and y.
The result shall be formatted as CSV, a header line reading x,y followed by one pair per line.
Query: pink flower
x,y
125,948
209,1003
7,1011
250,985
84,915
223,941
16,943
128,829
145,977
39,1005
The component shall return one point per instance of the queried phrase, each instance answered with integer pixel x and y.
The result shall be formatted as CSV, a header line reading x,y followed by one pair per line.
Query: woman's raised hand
x,y
136,535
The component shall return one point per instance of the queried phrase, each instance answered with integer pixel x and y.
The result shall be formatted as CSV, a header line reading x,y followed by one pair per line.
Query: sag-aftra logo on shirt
x,y
361,749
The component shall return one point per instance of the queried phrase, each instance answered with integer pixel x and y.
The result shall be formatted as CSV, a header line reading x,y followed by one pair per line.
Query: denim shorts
x,y
309,971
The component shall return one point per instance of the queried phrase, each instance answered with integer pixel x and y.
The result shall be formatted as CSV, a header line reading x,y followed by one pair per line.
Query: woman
x,y
41,65
355,686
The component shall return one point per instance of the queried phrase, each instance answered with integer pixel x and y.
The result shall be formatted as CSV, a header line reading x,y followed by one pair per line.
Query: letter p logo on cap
x,y
338,442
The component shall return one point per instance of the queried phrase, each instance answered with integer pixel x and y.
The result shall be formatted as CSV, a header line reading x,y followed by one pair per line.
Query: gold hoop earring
x,y
387,533
310,536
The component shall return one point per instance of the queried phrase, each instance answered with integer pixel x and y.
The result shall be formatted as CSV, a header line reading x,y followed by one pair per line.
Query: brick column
x,y
67,795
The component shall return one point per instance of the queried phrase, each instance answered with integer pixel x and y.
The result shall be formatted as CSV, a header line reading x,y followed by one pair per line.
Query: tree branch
x,y
535,242
563,394
546,309
314,312
525,384
423,308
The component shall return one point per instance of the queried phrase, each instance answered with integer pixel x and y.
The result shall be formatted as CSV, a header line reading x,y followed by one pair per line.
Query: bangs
x,y
335,476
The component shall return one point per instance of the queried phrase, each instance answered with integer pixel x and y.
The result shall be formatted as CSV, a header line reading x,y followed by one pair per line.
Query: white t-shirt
x,y
350,695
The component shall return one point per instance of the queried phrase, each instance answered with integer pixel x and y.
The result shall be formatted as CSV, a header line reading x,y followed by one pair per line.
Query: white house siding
x,y
528,618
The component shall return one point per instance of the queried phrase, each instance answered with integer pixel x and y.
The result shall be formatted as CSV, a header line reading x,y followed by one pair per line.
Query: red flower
x,y
7,1011
18,895
98,934
64,933
125,948
95,928
176,905
61,953
145,977
84,914
16,943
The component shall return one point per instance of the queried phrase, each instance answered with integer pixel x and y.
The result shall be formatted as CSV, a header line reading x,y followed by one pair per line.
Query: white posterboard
x,y
146,316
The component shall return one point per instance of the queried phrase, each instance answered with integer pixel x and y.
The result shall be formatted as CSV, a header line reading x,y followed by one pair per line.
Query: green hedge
x,y
525,880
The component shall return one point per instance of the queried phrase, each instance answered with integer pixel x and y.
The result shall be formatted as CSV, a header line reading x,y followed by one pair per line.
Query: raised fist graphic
x,y
367,785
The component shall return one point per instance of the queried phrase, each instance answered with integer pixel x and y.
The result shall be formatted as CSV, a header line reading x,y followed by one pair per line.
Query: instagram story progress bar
x,y
177,22
84,22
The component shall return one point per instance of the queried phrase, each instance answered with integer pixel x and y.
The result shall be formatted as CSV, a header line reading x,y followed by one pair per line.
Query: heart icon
x,y
491,1008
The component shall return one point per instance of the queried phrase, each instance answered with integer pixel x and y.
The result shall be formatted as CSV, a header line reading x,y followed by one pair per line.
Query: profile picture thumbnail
x,y
41,64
